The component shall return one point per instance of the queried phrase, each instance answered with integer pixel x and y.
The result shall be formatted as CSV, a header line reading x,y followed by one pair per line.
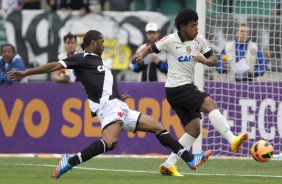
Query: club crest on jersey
x,y
188,49
185,58
120,114
101,68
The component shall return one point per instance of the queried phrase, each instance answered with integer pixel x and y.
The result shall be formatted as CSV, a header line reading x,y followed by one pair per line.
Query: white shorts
x,y
114,110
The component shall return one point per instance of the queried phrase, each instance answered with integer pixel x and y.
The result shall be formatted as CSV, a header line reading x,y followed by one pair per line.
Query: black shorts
x,y
186,100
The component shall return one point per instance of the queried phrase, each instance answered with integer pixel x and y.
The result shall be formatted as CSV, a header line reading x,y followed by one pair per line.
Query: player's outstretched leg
x,y
108,142
192,131
220,123
149,124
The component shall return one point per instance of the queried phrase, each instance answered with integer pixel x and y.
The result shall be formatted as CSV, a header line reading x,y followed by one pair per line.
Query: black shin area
x,y
94,149
168,141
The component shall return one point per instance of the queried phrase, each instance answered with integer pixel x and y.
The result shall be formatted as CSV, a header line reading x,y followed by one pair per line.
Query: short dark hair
x,y
8,45
185,16
243,24
89,36
69,36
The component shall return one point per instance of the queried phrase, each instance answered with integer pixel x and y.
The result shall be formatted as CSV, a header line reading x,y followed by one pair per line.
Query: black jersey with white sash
x,y
96,78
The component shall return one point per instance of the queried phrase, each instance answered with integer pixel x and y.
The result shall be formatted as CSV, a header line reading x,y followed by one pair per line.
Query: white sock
x,y
79,157
219,122
186,141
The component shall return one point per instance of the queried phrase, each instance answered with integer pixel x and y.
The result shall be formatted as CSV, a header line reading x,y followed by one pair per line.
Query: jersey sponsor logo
x,y
101,68
185,58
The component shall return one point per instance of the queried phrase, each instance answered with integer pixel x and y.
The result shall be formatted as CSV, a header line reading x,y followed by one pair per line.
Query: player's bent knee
x,y
159,128
149,124
113,146
209,104
197,132
111,143
214,104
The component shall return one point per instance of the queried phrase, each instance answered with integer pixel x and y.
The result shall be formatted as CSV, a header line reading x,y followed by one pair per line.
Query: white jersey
x,y
180,56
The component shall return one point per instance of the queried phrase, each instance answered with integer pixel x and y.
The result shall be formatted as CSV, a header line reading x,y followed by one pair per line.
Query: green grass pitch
x,y
138,170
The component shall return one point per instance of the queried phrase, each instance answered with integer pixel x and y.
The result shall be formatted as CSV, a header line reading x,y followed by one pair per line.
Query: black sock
x,y
94,149
168,141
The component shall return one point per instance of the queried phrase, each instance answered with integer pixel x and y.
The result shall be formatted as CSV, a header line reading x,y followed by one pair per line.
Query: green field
x,y
138,170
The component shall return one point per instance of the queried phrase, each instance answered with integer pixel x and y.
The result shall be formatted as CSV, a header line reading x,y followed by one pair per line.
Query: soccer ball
x,y
262,151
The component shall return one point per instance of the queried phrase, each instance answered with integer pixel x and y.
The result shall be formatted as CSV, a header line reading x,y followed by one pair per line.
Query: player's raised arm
x,y
161,45
46,68
138,57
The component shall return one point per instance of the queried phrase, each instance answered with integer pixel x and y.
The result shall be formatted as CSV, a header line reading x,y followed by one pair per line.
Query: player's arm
x,y
209,58
210,61
46,68
138,57
161,45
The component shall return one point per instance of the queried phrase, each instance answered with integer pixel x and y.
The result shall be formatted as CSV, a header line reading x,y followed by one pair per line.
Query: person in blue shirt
x,y
9,61
242,57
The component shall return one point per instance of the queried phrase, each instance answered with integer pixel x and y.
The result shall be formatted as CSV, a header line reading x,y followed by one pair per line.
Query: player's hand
x,y
200,59
137,58
14,75
124,97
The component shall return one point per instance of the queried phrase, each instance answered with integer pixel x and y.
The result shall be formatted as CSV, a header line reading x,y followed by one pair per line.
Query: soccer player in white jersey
x,y
184,49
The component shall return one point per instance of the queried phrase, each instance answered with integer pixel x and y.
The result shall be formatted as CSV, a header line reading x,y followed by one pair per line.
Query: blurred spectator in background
x,y
10,6
242,57
153,61
148,4
9,61
277,9
54,4
120,5
102,4
30,4
66,75
224,6
81,5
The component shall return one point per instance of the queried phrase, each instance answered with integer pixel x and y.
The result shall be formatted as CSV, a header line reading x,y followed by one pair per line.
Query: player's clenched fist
x,y
137,57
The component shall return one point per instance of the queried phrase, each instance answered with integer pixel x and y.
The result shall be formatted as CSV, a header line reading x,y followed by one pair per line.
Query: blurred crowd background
x,y
34,32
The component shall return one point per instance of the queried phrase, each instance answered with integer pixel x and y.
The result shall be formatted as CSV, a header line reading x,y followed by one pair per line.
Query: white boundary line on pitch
x,y
142,171
150,156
